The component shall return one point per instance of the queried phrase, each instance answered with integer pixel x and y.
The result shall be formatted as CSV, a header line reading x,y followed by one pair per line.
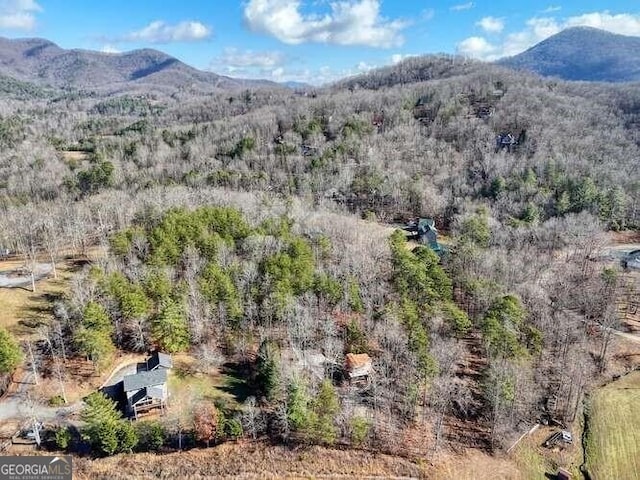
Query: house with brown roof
x,y
358,366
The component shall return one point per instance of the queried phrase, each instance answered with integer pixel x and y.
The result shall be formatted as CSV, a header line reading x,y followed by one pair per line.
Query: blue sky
x,y
308,40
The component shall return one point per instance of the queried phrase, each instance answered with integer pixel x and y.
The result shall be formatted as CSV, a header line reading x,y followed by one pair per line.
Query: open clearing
x,y
535,461
249,460
23,310
245,460
74,156
188,385
613,438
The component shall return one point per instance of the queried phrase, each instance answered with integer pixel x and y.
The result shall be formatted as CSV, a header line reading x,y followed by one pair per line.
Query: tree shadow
x,y
27,326
39,305
235,381
116,393
78,264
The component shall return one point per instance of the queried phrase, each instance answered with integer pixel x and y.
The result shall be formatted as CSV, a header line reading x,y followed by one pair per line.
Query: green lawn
x,y
613,439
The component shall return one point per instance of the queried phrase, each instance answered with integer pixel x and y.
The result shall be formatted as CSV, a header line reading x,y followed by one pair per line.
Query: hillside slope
x,y
583,53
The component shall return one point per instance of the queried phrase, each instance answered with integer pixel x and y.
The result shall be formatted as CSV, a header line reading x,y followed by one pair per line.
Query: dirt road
x,y
21,405
13,278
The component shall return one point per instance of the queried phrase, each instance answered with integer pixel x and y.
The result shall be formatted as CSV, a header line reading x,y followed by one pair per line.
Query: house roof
x,y
155,392
357,360
144,379
358,365
159,359
147,392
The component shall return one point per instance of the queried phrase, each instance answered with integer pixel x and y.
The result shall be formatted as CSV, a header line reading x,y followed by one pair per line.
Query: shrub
x,y
152,435
56,401
10,353
233,428
62,438
360,428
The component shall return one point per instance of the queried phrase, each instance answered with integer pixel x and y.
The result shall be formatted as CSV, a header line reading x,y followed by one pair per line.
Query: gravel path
x,y
20,405
10,279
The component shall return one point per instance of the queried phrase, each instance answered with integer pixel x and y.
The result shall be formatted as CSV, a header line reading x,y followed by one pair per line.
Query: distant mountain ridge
x,y
582,53
44,63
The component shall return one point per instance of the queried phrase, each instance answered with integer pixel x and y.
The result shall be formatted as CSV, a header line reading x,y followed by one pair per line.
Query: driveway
x,y
113,386
21,405
13,278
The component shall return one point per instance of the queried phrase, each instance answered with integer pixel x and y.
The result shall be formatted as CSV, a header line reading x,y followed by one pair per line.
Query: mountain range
x,y
44,63
582,53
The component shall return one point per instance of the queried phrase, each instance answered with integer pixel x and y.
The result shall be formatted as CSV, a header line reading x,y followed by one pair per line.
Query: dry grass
x,y
188,385
23,310
251,461
246,460
613,441
476,465
536,462
74,156
625,237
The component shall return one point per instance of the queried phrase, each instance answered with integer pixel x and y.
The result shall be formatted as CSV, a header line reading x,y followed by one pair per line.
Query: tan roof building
x,y
358,365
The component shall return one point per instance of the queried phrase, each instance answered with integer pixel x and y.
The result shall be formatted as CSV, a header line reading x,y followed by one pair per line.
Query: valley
x,y
397,275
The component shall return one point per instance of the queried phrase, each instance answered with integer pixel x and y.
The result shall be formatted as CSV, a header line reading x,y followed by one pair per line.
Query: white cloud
x,y
365,67
109,49
538,29
350,22
312,76
552,9
461,6
476,47
248,58
18,14
284,74
491,24
398,57
622,23
162,32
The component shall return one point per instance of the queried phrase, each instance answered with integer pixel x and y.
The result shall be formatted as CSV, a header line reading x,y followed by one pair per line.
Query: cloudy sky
x,y
308,40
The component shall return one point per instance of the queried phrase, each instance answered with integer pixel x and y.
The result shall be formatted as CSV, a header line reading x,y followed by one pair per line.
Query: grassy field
x,y
534,461
247,460
188,385
244,460
613,438
23,310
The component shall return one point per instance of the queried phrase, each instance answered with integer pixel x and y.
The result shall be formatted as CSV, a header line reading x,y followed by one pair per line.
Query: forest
x,y
255,227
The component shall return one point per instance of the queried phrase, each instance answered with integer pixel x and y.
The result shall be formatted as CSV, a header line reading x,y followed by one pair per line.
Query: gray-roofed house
x,y
146,390
159,360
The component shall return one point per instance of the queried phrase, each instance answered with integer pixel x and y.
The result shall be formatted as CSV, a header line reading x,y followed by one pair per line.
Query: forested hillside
x,y
256,228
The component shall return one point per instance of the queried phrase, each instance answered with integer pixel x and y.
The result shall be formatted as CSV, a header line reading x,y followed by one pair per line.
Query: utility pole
x,y
33,364
36,431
